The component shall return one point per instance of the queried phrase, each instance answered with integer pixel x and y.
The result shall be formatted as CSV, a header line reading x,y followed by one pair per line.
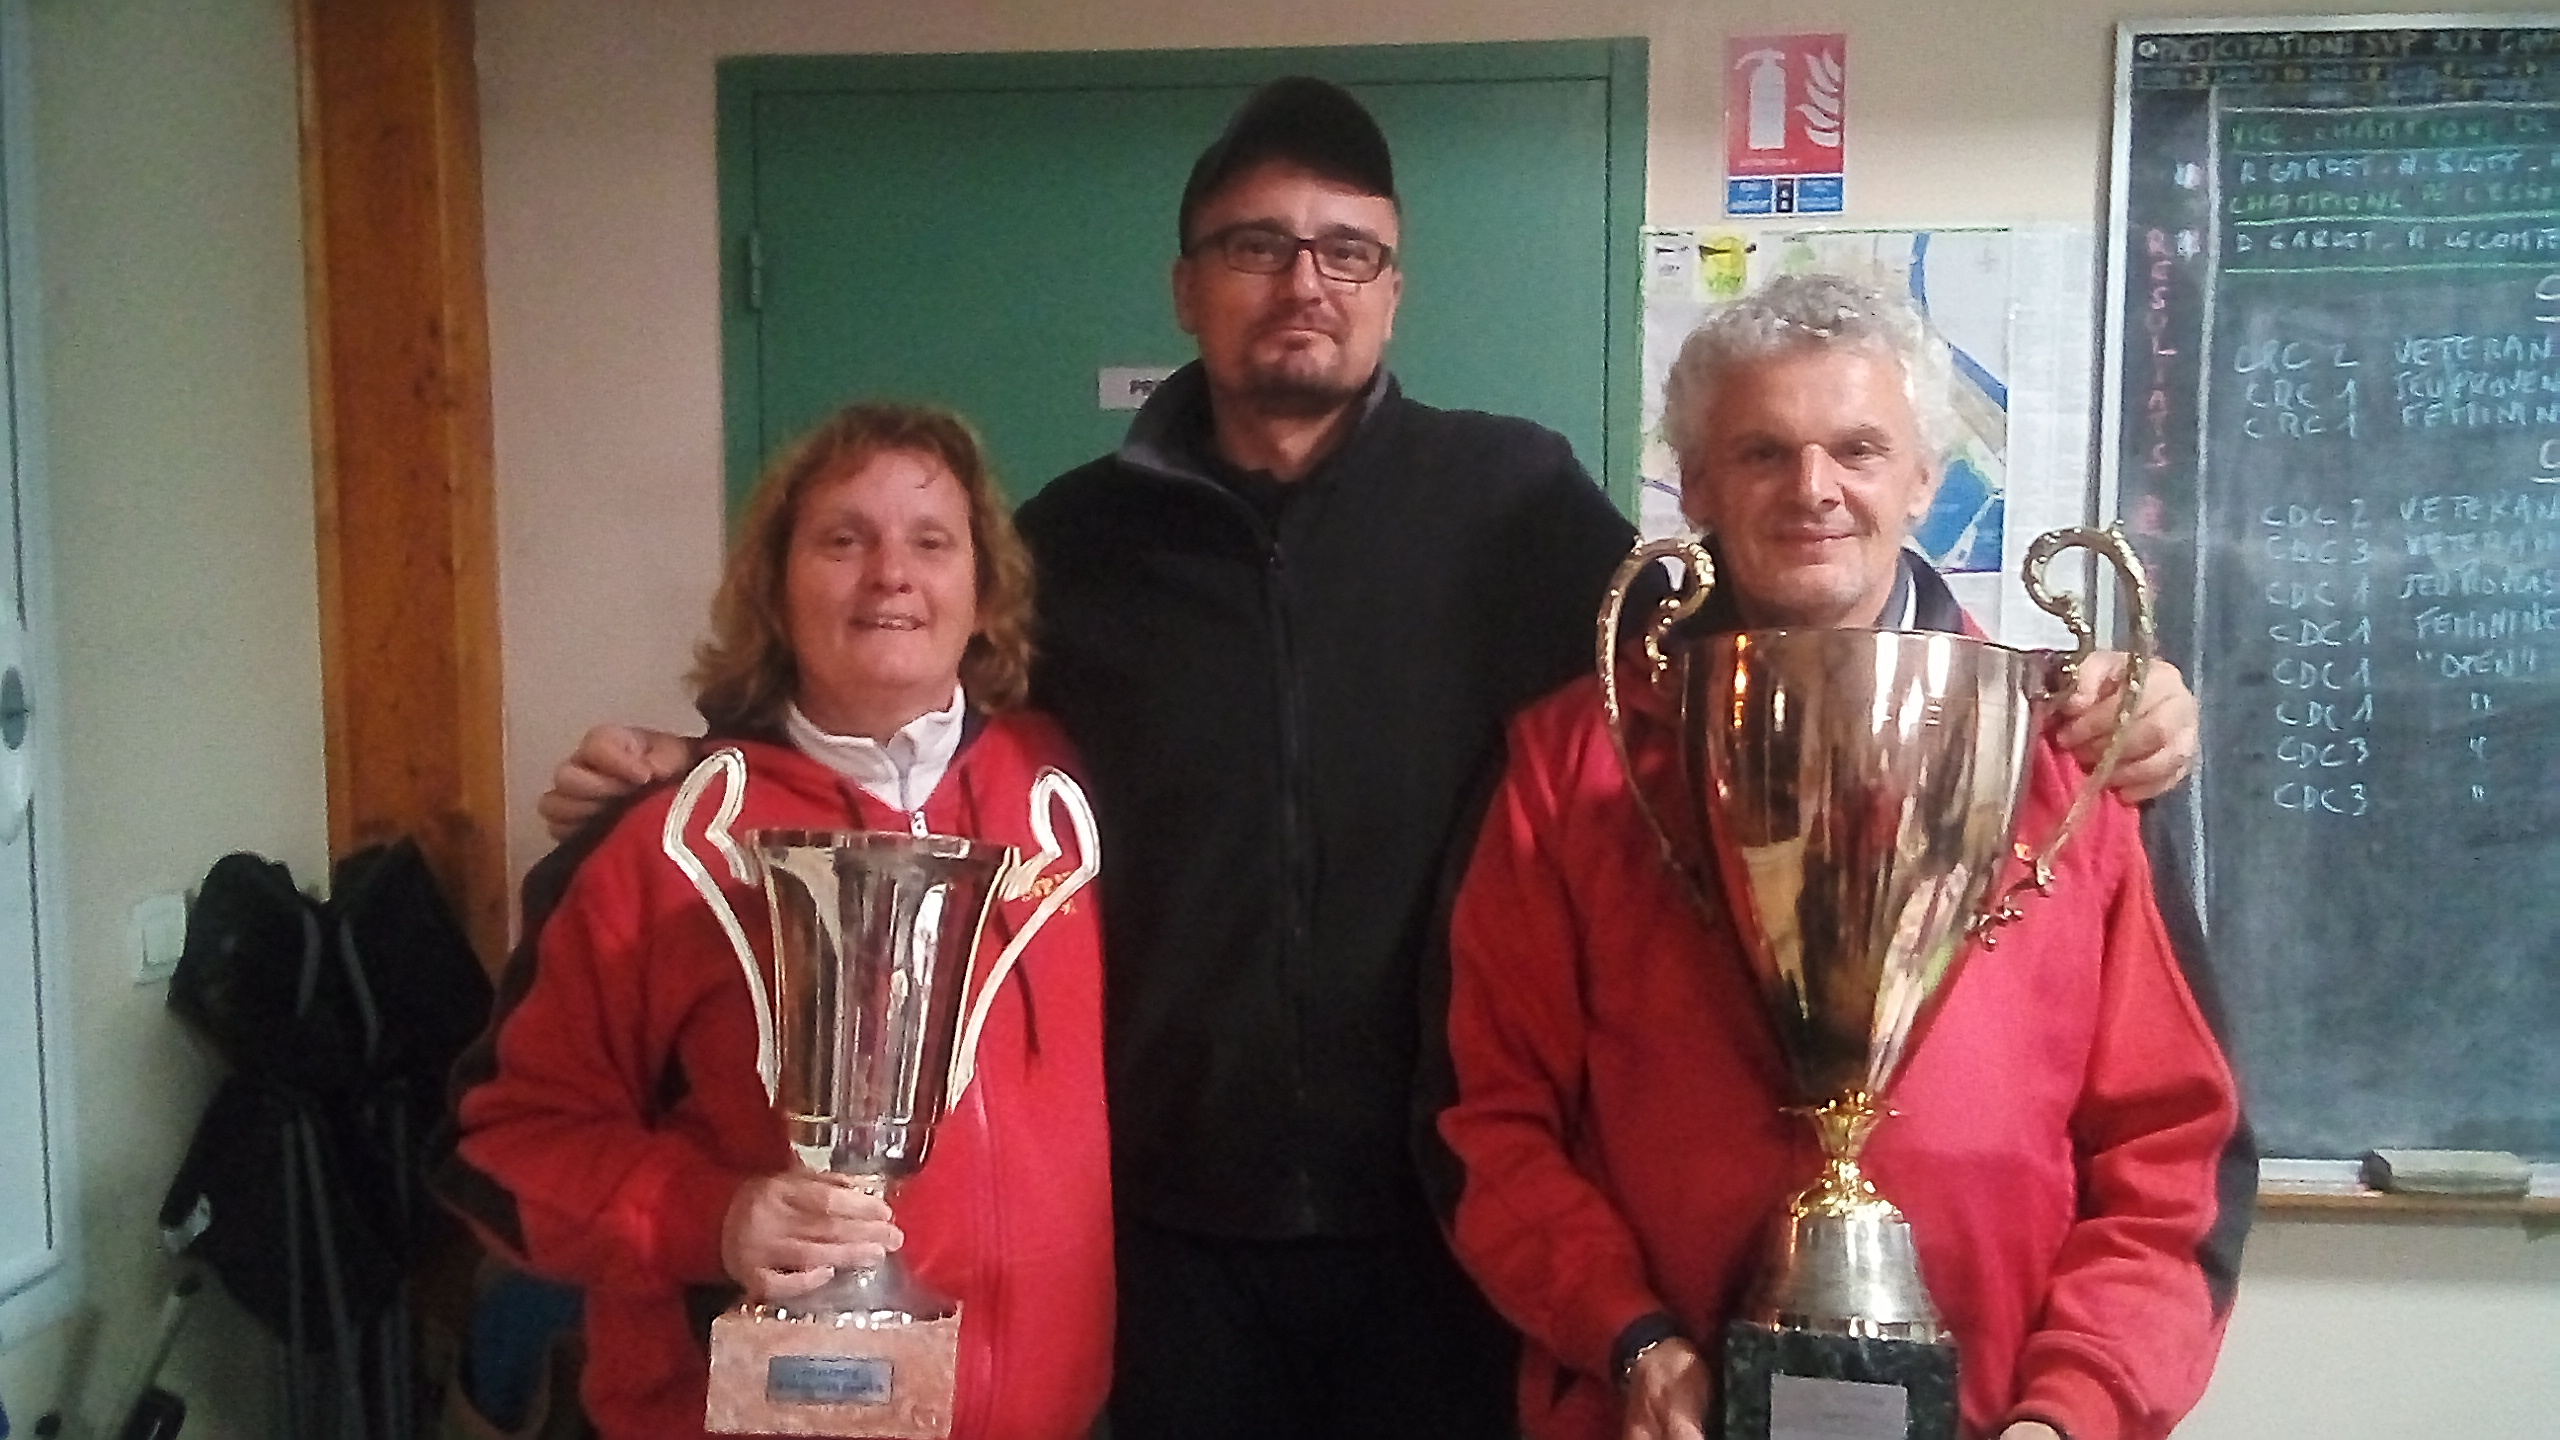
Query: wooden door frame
x,y
1620,63
411,674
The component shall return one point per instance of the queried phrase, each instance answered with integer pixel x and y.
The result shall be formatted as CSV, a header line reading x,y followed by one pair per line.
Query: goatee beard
x,y
1302,397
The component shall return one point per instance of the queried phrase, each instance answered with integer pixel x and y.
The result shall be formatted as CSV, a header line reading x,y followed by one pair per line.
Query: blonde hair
x,y
746,672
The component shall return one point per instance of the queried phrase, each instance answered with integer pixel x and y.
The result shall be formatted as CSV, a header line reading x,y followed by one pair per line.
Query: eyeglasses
x,y
1258,249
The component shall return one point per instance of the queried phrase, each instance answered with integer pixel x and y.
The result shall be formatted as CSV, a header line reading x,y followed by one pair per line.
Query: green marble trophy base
x,y
1755,1354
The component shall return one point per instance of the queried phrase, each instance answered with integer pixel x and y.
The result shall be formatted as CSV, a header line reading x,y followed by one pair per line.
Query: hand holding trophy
x,y
866,1036
1857,791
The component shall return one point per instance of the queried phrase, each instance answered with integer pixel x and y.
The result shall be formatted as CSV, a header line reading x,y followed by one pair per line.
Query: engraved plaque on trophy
x,y
1855,793
867,1031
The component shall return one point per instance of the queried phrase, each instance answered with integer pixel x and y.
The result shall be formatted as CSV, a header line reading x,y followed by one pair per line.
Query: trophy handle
x,y
728,768
1051,788
1699,583
2111,544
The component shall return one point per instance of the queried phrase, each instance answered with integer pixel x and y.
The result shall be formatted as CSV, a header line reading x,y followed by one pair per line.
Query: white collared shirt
x,y
899,772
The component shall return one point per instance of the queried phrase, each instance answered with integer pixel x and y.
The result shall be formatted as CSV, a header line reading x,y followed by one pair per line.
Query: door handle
x,y
17,713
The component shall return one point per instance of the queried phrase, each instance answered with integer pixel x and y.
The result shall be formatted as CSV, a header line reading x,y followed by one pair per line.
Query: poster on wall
x,y
1785,120
2014,305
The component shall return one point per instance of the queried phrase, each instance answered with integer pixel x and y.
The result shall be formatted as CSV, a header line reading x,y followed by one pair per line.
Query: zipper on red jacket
x,y
980,1366
973,1376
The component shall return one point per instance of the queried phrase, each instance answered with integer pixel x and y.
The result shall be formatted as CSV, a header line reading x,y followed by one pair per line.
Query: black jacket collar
x,y
1170,436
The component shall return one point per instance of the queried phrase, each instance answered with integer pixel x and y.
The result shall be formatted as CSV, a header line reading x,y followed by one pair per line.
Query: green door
x,y
992,233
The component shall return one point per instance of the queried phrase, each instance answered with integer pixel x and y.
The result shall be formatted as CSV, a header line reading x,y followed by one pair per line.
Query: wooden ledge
x,y
2309,1202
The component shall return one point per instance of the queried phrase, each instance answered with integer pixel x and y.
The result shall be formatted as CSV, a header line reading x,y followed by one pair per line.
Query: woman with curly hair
x,y
868,658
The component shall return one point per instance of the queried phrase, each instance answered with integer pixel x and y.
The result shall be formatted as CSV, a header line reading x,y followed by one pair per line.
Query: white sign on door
x,y
1126,387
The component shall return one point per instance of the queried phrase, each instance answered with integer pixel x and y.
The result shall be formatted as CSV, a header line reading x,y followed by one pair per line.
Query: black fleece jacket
x,y
1281,693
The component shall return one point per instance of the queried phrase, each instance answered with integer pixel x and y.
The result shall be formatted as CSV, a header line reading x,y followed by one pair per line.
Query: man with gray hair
x,y
2068,1147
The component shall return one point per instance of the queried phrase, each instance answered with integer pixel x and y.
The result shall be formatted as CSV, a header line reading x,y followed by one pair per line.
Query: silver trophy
x,y
1852,796
867,1031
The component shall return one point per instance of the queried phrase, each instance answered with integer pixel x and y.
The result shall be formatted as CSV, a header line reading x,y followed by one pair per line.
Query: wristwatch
x,y
1641,1335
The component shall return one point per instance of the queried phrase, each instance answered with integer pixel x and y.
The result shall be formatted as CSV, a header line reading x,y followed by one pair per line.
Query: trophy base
x,y
775,1376
1757,1406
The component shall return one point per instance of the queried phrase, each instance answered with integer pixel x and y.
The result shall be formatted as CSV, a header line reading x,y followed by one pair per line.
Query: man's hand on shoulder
x,y
2030,1430
611,762
1667,1394
2160,741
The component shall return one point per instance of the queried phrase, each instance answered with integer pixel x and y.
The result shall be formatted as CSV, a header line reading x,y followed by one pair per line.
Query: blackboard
x,y
2334,435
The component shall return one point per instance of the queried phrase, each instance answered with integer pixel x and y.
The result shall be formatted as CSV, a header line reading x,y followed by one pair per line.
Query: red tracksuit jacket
x,y
619,1108
2055,1140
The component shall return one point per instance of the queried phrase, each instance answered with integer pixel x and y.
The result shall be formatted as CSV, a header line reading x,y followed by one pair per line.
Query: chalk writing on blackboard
x,y
2336,440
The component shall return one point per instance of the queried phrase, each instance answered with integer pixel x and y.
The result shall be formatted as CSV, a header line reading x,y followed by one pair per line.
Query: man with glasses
x,y
1284,622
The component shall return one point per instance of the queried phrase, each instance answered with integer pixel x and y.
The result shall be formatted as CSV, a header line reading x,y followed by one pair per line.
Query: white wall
x,y
2351,1330
178,430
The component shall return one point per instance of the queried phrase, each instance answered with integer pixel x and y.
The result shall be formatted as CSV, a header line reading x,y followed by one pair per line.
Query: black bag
x,y
337,998
292,1211
258,981
302,1189
428,988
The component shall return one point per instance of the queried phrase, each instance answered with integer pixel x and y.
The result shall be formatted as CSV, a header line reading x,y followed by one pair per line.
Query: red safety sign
x,y
1785,118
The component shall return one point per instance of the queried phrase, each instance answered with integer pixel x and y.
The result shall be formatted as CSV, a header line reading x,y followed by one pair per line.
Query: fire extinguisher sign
x,y
1785,116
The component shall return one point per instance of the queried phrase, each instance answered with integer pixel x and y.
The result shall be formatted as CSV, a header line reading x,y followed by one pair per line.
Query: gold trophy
x,y
866,1034
1855,794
